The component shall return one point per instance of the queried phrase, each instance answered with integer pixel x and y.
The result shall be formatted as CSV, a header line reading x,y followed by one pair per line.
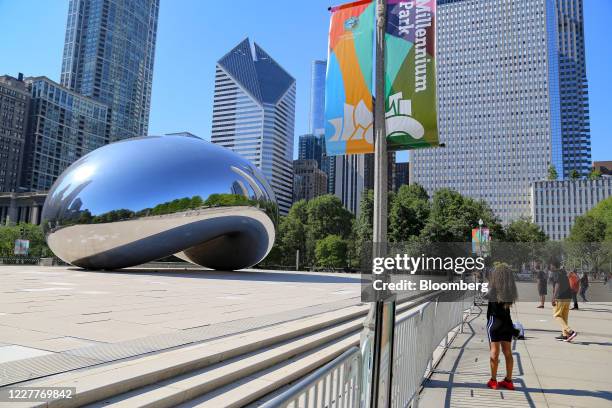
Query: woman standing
x,y
502,294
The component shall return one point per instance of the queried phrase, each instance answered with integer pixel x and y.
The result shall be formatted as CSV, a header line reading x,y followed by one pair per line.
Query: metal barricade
x,y
335,385
417,335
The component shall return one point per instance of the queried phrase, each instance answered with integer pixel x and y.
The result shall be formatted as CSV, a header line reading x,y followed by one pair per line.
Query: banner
x,y
22,247
348,85
410,75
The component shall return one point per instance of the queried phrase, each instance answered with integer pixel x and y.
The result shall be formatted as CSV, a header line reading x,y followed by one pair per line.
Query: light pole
x,y
382,313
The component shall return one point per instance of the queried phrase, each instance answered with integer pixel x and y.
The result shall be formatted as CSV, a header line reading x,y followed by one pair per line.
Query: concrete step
x,y
176,376
105,381
254,387
186,387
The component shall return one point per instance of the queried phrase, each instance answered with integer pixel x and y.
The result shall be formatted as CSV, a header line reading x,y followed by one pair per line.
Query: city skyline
x,y
35,55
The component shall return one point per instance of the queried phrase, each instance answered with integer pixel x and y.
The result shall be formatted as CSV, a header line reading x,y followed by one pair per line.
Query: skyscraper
x,y
308,180
254,114
63,126
499,102
14,103
317,98
108,55
573,87
312,147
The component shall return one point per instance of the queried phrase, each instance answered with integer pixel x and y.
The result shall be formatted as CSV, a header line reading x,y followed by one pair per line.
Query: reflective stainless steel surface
x,y
145,198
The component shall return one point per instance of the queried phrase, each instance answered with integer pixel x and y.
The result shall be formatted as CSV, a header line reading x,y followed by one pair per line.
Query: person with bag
x,y
574,282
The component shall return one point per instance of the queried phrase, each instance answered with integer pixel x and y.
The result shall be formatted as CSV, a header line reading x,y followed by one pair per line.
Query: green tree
x,y
552,173
574,175
453,216
409,212
585,244
31,232
524,243
362,227
603,212
331,252
523,230
292,231
595,174
327,216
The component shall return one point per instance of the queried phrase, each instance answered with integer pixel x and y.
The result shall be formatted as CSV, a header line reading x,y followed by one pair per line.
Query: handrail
x,y
301,388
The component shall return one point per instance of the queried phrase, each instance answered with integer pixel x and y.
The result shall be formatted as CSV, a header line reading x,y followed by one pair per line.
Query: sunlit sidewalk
x,y
547,373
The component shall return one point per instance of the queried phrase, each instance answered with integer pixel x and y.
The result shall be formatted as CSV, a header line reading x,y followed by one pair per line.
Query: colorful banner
x,y
348,85
22,247
481,239
410,75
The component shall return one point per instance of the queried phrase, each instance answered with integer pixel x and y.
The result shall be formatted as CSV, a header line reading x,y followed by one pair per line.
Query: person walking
x,y
500,329
562,293
584,285
541,282
574,282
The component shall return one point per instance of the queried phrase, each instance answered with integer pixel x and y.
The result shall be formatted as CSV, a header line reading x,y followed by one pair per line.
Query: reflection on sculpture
x,y
145,198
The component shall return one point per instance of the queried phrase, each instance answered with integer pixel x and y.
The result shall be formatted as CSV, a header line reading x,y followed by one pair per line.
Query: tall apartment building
x,y
254,114
308,180
556,204
109,52
500,102
573,88
14,105
312,147
63,126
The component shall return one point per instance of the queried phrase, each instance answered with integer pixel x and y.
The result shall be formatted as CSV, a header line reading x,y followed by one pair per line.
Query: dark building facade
x,y
308,180
14,105
312,147
573,88
21,207
401,175
109,52
63,126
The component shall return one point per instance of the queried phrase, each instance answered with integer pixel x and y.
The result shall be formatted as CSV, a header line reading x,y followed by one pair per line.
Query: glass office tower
x,y
573,88
254,114
499,102
108,55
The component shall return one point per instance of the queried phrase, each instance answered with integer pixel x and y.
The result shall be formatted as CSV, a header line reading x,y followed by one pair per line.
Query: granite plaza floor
x,y
47,310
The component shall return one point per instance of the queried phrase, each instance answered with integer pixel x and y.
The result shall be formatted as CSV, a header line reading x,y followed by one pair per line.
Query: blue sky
x,y
193,34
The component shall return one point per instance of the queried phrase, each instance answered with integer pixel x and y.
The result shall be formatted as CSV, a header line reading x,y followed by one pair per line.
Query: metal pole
x,y
297,259
383,310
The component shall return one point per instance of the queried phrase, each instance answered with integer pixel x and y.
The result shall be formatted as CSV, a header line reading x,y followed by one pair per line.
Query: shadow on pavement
x,y
295,277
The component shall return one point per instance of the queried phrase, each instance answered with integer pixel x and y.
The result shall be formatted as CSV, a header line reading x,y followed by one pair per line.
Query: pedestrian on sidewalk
x,y
541,281
574,282
584,285
500,329
562,293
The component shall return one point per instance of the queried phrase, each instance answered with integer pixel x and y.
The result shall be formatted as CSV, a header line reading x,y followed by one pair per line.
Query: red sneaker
x,y
492,384
506,384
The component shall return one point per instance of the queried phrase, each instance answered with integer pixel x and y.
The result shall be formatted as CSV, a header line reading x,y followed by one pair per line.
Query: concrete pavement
x,y
63,318
547,373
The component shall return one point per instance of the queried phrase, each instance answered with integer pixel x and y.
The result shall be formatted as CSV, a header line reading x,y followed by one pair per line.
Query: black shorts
x,y
542,288
499,330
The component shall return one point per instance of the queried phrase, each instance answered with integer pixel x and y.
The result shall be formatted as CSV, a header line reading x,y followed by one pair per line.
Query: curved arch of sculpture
x,y
146,198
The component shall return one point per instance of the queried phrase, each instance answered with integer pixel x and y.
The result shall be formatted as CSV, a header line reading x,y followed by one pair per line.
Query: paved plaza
x,y
47,310
548,373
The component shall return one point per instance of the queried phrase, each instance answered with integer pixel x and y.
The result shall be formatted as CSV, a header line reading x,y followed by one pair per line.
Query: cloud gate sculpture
x,y
146,198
